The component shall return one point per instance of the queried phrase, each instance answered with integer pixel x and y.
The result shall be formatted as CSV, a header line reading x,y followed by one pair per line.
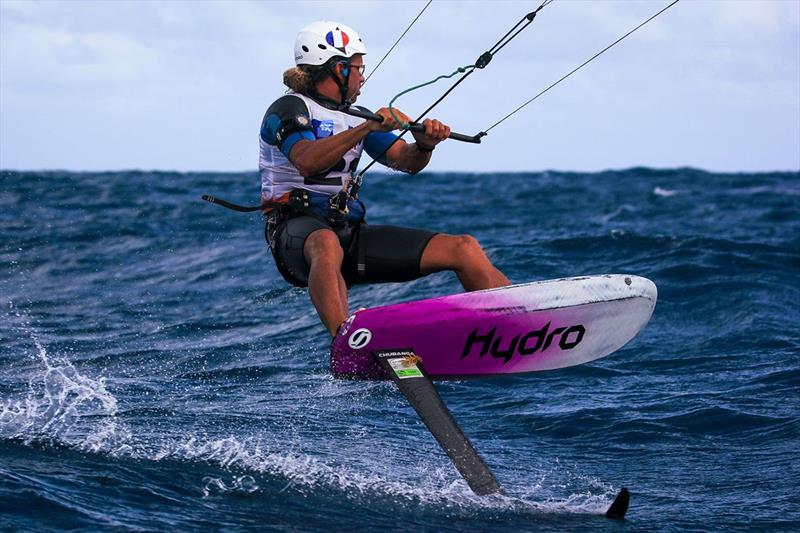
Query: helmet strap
x,y
331,67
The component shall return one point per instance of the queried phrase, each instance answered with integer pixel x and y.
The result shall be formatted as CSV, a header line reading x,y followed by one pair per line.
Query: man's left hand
x,y
435,132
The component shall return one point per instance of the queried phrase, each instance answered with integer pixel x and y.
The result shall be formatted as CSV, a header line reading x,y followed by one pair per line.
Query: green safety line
x,y
405,125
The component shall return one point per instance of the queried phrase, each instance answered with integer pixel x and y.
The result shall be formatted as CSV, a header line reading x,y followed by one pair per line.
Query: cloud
x,y
195,76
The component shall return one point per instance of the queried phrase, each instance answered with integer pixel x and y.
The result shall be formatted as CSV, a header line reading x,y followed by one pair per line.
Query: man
x,y
309,150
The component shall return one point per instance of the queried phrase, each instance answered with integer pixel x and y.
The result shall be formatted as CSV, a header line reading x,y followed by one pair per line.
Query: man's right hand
x,y
389,123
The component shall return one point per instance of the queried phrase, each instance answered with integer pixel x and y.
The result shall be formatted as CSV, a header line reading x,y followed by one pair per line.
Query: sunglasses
x,y
359,68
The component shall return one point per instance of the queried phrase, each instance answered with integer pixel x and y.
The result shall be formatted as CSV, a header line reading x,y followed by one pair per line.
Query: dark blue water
x,y
156,372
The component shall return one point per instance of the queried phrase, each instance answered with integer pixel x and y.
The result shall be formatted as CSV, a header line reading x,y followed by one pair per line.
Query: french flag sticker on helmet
x,y
338,39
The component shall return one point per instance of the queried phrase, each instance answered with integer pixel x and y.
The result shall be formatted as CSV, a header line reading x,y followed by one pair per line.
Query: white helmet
x,y
320,41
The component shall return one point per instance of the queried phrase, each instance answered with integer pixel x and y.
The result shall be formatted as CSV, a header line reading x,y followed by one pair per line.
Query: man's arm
x,y
407,157
414,157
287,125
313,157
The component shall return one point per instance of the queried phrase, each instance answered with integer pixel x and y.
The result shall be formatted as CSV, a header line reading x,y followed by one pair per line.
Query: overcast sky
x,y
183,85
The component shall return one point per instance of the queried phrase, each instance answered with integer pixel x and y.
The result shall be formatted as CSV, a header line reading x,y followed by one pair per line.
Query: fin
x,y
619,506
407,372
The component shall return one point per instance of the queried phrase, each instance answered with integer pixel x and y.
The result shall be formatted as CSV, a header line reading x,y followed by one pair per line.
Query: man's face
x,y
356,77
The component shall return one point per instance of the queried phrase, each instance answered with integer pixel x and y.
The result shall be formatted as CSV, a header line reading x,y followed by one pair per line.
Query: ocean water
x,y
156,372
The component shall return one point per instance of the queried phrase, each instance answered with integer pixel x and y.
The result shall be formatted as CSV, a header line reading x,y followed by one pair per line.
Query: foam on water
x,y
308,475
659,191
61,404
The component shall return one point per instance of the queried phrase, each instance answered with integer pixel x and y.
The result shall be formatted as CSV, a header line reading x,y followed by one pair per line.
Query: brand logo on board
x,y
359,338
521,344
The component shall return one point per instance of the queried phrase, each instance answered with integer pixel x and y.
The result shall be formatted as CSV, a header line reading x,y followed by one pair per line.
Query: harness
x,y
317,205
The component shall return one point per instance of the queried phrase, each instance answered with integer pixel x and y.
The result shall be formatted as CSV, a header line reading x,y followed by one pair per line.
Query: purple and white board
x,y
529,327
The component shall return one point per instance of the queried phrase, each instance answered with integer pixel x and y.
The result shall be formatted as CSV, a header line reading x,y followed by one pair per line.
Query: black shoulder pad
x,y
290,107
285,116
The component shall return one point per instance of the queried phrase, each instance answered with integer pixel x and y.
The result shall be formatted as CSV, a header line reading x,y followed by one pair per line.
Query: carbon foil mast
x,y
408,373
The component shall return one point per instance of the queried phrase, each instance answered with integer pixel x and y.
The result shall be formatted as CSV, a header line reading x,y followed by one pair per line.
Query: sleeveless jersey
x,y
288,121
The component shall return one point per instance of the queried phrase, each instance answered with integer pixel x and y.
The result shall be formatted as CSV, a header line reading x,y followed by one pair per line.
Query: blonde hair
x,y
299,79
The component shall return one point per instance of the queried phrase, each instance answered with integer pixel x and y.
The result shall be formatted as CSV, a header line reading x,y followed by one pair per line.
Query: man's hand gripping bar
x,y
416,126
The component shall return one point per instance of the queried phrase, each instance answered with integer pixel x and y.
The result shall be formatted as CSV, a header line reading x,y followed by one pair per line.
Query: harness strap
x,y
362,252
237,207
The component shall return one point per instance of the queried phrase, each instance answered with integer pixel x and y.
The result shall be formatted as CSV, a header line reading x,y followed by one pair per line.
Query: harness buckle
x,y
339,202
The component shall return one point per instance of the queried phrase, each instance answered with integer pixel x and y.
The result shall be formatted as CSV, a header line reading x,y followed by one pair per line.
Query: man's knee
x,y
465,246
451,252
323,245
460,250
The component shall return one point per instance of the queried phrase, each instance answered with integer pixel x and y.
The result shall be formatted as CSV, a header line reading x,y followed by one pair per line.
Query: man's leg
x,y
462,254
326,286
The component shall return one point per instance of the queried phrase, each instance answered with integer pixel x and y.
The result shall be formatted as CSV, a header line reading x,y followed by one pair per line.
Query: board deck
x,y
523,328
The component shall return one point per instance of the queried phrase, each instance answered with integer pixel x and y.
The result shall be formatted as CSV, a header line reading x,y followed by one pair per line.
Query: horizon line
x,y
4,171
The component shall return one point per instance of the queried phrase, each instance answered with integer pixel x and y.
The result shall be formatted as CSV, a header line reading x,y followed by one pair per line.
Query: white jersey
x,y
279,176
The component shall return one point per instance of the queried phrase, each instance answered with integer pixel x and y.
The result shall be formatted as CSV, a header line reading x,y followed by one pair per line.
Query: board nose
x,y
642,287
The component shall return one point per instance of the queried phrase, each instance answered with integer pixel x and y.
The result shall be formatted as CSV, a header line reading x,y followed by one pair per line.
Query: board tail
x,y
408,373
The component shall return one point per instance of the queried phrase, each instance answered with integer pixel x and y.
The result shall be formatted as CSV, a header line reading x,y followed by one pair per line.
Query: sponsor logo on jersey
x,y
522,344
322,128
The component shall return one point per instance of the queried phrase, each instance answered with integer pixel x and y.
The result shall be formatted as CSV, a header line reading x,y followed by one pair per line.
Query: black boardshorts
x,y
372,254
